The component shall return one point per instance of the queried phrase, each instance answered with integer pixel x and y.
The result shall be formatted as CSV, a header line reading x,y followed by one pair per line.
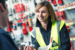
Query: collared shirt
x,y
64,36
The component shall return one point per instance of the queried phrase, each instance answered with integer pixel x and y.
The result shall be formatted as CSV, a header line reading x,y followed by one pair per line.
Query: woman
x,y
49,30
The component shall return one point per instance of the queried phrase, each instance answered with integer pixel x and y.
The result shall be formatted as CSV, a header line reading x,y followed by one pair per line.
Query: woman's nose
x,y
40,14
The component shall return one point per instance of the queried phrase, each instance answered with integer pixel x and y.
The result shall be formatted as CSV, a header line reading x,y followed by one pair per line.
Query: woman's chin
x,y
41,20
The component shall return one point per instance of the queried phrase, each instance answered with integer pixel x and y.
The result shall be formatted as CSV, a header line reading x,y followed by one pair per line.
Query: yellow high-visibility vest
x,y
56,25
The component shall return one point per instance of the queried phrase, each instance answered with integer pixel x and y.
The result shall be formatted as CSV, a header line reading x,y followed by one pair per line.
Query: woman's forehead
x,y
43,8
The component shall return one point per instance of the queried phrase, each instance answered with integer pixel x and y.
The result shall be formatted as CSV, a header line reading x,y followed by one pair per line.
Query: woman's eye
x,y
43,11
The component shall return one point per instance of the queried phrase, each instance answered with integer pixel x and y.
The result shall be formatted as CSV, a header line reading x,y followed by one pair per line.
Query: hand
x,y
29,48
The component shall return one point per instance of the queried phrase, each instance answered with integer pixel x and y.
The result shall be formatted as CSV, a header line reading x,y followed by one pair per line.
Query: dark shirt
x,y
6,42
64,36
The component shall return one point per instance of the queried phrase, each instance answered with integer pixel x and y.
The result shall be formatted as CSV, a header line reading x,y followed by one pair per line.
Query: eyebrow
x,y
43,10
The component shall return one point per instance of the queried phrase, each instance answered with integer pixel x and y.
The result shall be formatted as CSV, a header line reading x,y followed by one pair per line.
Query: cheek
x,y
7,12
37,14
45,15
6,15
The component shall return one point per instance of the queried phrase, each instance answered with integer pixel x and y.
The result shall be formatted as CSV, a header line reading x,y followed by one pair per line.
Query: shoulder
x,y
4,35
3,32
33,33
61,24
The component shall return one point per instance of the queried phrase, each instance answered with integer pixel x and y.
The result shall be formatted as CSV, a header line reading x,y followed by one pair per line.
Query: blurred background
x,y
21,14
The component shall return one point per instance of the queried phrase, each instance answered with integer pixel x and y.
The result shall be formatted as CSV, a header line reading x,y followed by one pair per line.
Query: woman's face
x,y
42,14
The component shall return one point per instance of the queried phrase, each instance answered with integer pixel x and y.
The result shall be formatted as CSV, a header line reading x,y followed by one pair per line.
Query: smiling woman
x,y
49,31
44,11
49,9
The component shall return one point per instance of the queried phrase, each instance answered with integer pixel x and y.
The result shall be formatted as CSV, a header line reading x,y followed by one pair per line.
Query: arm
x,y
64,39
34,42
6,42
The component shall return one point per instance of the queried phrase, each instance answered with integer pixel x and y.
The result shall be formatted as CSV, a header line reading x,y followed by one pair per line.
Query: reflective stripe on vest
x,y
54,35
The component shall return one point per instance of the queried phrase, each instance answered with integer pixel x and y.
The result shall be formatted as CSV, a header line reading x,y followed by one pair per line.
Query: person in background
x,y
49,30
6,42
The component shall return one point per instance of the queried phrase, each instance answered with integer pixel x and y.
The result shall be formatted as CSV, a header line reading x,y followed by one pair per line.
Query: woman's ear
x,y
1,7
